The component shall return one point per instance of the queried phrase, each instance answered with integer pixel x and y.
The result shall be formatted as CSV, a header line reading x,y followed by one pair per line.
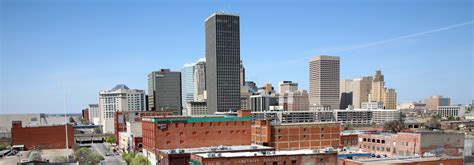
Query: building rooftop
x,y
217,149
194,119
412,159
265,153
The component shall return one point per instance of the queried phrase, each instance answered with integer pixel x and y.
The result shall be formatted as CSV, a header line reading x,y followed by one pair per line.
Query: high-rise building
x,y
324,81
389,98
94,114
378,85
297,100
223,62
379,93
266,89
288,86
361,90
242,74
187,84
200,80
434,102
346,100
345,86
164,91
118,99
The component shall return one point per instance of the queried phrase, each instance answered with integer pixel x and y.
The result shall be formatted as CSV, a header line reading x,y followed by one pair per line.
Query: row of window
x,y
373,140
208,133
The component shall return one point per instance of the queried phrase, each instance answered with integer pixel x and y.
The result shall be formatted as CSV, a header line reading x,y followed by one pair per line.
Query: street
x,y
102,149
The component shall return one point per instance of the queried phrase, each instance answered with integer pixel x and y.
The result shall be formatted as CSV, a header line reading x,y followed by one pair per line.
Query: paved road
x,y
102,149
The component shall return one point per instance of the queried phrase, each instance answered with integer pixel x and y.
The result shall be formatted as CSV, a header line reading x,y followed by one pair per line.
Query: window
x,y
168,134
219,132
364,139
275,163
181,141
378,140
181,134
293,162
207,133
168,142
383,141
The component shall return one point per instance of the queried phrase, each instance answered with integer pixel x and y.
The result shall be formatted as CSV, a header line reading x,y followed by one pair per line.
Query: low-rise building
x,y
406,161
182,156
372,105
42,137
171,132
294,157
195,108
451,111
128,128
413,143
366,116
295,136
294,116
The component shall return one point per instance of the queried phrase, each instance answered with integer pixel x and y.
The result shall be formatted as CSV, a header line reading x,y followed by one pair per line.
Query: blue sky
x,y
52,49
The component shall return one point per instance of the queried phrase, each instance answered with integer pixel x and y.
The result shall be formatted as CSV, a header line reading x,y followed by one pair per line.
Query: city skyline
x,y
403,74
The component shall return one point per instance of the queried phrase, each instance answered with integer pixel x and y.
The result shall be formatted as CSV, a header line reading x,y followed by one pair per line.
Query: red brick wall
x,y
349,140
269,160
302,136
44,137
194,135
459,161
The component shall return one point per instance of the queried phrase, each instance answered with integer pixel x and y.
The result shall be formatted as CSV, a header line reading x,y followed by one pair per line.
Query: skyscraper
x,y
223,62
187,84
378,85
324,81
199,80
361,90
164,91
379,93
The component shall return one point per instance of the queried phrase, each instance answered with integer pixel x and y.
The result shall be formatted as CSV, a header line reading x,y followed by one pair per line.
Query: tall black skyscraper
x,y
223,62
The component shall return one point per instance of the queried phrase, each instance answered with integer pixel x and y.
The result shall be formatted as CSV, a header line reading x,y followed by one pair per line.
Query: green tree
x,y
111,139
59,159
128,157
87,156
140,160
394,126
3,147
451,118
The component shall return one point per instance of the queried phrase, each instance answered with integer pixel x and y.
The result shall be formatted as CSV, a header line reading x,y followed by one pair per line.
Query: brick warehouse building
x,y
42,137
294,136
293,157
160,133
410,144
121,119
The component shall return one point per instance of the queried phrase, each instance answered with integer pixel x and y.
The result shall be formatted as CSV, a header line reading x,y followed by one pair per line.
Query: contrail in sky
x,y
408,36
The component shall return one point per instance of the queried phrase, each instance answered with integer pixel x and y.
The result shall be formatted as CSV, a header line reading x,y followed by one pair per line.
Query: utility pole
x,y
65,125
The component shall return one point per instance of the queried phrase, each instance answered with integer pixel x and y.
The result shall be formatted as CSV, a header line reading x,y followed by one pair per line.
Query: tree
x,y
451,118
60,159
140,160
3,147
394,126
111,139
87,156
128,157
